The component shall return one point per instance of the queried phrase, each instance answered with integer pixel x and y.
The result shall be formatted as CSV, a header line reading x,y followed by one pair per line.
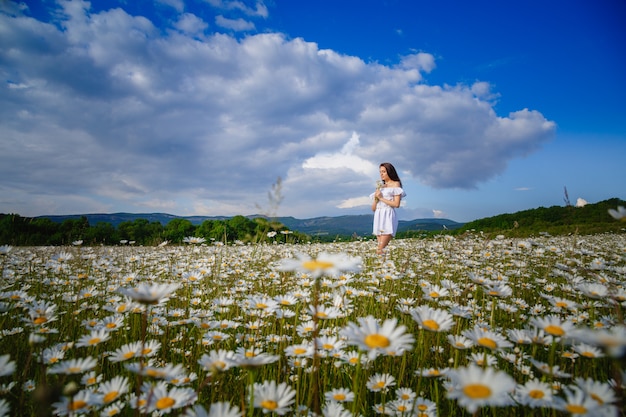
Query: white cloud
x,y
439,214
191,24
581,202
112,110
238,25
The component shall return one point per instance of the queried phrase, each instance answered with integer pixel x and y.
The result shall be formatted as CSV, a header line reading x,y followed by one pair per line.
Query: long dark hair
x,y
391,171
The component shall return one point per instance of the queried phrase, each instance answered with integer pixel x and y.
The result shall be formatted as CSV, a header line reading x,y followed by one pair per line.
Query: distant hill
x,y
555,220
341,225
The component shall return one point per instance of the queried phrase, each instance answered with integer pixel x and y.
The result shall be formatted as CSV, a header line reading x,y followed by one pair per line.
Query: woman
x,y
386,199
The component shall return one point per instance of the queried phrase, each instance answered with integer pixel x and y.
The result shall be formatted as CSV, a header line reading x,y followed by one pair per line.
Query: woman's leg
x,y
383,241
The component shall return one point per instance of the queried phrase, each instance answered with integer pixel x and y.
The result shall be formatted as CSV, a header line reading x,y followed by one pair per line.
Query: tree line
x,y
555,220
24,231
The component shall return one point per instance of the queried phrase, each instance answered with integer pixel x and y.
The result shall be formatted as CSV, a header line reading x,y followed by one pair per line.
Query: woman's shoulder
x,y
392,184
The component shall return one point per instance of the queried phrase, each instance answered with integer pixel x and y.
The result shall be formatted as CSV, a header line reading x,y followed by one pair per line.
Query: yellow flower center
x,y
561,304
477,391
575,409
597,398
77,405
94,341
165,402
536,394
434,294
110,396
315,264
261,305
487,342
128,355
339,397
554,330
299,351
40,320
269,404
430,324
377,341
74,370
422,407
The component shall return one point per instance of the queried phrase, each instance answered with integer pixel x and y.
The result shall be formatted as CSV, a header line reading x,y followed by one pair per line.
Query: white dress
x,y
385,220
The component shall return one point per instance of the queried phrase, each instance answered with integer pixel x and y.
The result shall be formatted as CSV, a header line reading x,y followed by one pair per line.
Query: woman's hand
x,y
378,194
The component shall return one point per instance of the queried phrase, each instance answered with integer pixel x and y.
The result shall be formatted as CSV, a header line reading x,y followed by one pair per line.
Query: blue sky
x,y
198,107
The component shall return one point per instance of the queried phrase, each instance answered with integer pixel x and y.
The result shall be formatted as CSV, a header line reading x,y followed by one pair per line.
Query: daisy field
x,y
465,325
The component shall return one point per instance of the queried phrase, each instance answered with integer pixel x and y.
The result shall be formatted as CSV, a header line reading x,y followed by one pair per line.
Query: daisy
x,y
325,264
330,343
498,290
424,407
219,409
546,369
73,366
434,292
483,359
601,392
305,349
619,214
588,351
216,360
374,338
79,403
113,409
214,336
29,385
5,407
405,394
111,390
553,325
150,293
163,401
613,339
339,395
534,393
7,366
519,336
487,338
150,348
380,382
577,403
399,407
475,387
247,360
90,378
125,352
435,320
335,409
432,372
324,312
459,342
94,338
273,398
112,323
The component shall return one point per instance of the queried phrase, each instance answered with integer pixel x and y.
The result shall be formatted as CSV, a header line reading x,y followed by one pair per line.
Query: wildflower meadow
x,y
439,326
